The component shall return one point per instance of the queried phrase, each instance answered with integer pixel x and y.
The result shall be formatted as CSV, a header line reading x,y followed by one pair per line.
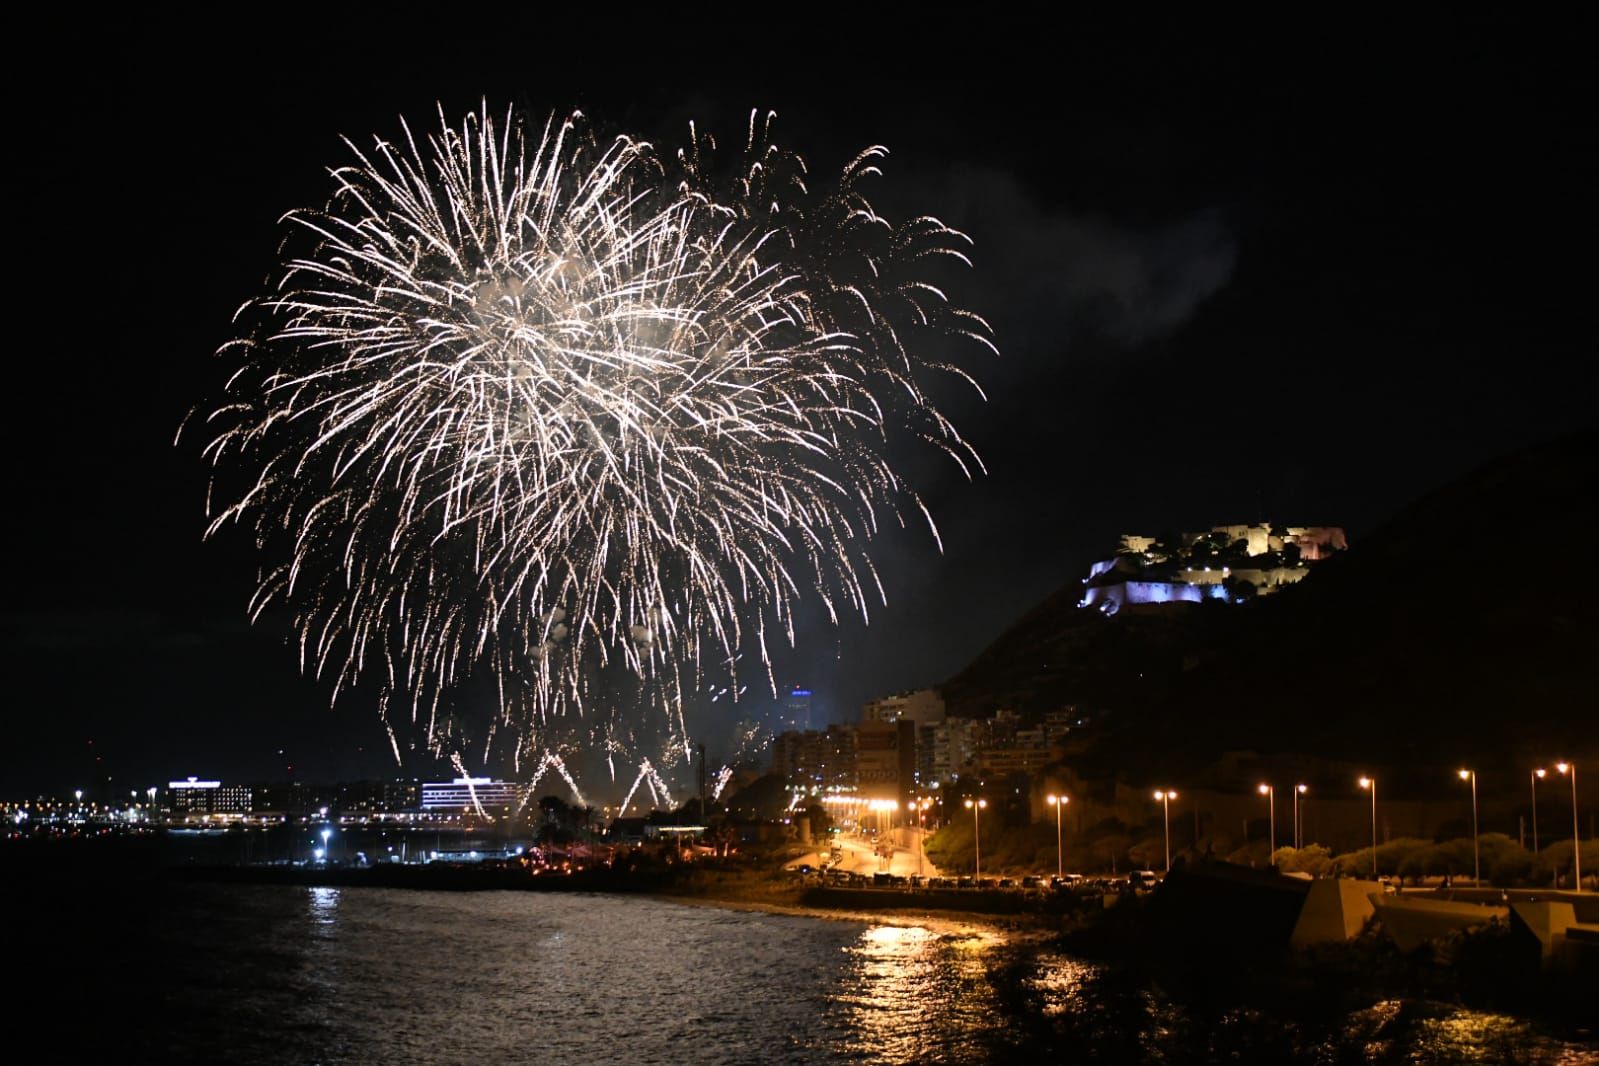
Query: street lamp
x,y
1299,790
1476,856
1371,784
919,805
1576,838
1059,803
921,819
1536,776
1270,792
977,837
1166,795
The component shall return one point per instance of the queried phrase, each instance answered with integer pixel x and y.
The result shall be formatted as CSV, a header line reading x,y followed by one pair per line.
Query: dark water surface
x,y
269,974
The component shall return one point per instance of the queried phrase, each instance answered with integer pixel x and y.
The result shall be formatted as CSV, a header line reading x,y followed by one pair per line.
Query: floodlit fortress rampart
x,y
1232,564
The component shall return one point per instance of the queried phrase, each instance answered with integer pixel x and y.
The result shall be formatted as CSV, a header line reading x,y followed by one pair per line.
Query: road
x,y
908,857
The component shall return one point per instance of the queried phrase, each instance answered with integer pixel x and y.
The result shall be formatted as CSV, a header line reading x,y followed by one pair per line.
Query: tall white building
x,y
466,794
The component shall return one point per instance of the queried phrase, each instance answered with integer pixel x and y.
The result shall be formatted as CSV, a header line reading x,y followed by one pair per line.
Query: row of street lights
x,y
1538,774
977,806
1270,792
1165,796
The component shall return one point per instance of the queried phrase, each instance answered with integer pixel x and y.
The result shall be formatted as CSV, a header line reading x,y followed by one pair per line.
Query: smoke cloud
x,y
1058,274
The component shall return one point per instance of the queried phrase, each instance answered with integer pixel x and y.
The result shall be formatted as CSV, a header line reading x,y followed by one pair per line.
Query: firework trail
x,y
550,761
723,776
528,404
650,777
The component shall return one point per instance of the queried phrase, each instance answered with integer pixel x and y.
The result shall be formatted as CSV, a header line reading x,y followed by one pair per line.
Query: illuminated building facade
x,y
1227,564
467,794
924,706
796,712
816,760
193,798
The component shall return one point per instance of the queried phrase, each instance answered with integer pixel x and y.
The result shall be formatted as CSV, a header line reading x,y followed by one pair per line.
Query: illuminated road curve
x,y
859,858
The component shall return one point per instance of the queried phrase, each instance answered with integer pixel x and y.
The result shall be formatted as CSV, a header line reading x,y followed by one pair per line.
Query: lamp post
x,y
1059,803
1299,836
1476,856
1576,837
1166,795
1370,783
1536,774
975,806
921,806
1270,792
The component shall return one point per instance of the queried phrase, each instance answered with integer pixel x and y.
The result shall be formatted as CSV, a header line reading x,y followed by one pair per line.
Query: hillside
x,y
1468,623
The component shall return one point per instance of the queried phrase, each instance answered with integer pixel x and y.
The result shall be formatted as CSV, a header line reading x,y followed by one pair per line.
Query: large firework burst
x,y
529,402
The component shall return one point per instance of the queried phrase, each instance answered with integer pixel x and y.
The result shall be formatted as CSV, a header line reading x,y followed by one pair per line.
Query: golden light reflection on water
x,y
1062,983
1475,1036
913,994
1423,1032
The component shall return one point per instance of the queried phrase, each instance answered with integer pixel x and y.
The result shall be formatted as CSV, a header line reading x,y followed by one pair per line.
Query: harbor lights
x,y
1299,835
1165,796
1059,803
1576,838
1270,792
1370,783
1476,855
976,806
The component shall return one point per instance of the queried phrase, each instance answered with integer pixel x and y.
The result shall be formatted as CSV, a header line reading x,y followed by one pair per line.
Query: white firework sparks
x,y
548,408
723,776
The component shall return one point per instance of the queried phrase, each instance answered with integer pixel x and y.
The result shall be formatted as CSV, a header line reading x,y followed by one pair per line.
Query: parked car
x,y
1142,880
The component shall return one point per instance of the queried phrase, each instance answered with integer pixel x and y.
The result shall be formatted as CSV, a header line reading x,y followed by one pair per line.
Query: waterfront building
x,y
368,798
192,799
465,795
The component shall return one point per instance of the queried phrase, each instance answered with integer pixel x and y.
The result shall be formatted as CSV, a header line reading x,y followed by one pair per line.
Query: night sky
x,y
1236,271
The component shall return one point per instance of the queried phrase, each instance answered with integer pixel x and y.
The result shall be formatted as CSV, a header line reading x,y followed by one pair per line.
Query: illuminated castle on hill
x,y
1231,564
